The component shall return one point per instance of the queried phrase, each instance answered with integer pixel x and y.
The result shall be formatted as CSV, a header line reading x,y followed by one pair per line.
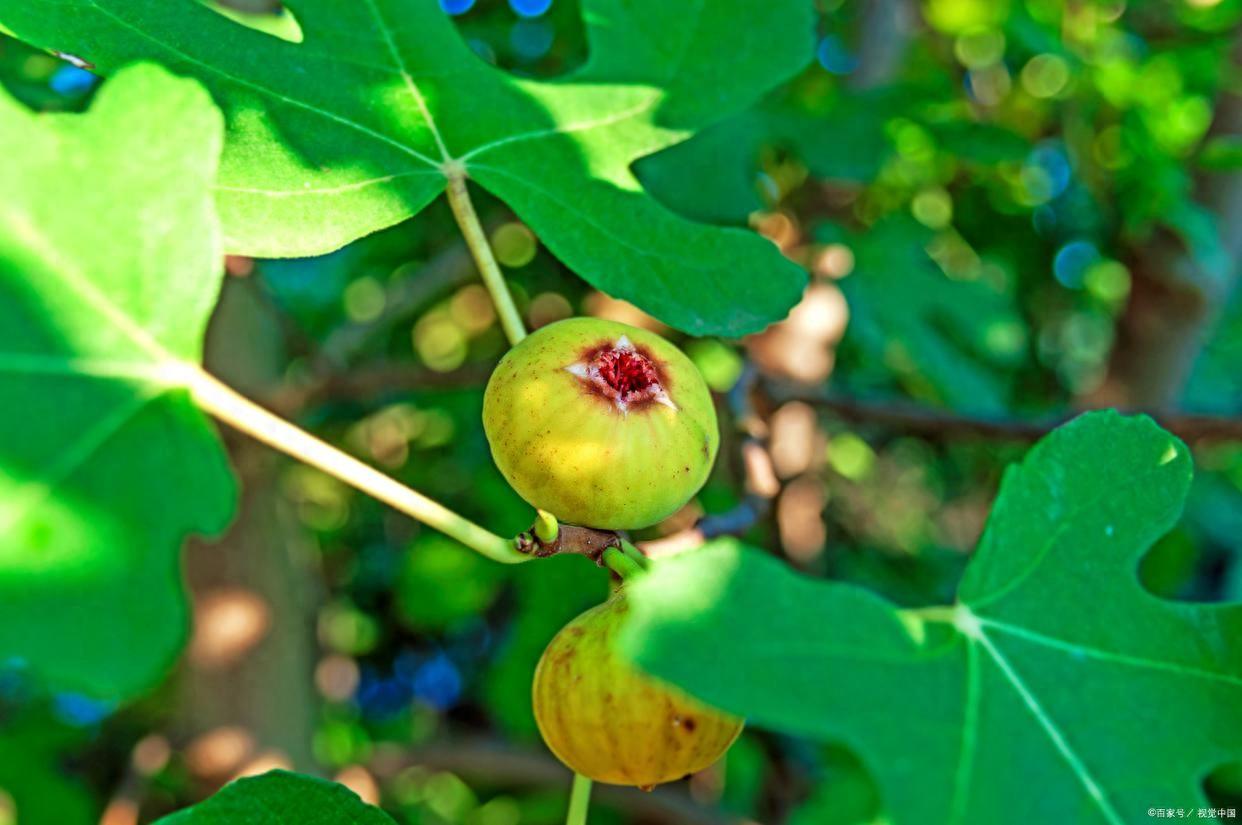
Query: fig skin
x,y
591,455
612,723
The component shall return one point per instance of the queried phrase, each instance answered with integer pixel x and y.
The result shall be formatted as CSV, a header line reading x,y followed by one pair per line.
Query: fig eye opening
x,y
626,371
622,374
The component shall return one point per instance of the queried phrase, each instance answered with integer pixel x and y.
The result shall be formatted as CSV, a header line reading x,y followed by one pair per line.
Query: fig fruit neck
x,y
619,373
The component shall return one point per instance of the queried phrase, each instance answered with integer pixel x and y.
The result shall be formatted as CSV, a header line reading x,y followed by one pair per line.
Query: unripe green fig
x,y
601,424
609,721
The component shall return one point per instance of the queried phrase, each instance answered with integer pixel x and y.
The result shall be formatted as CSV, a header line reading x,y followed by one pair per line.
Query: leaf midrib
x,y
1059,740
63,270
1051,729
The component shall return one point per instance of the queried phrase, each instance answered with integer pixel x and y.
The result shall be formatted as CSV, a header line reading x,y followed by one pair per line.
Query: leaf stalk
x,y
248,417
476,239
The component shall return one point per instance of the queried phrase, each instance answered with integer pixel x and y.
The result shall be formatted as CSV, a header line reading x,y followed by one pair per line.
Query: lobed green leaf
x,y
110,263
1054,657
358,126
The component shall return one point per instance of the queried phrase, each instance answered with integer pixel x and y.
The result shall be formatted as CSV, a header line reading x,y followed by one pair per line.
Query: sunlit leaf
x,y
109,267
356,128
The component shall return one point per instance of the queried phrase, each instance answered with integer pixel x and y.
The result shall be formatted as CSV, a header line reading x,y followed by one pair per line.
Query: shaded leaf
x,y
281,798
941,337
549,594
441,582
32,748
717,175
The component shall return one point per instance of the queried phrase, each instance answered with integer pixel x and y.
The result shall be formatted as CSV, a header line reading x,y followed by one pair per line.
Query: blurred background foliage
x,y
1010,210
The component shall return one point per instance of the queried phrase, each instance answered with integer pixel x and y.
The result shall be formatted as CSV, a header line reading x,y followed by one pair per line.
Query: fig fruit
x,y
612,723
601,424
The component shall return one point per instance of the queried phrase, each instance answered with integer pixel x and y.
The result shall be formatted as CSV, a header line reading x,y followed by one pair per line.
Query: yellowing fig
x,y
612,723
601,424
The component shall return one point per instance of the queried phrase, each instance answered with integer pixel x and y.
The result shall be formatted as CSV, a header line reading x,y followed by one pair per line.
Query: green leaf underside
x,y
281,798
352,130
1055,658
109,267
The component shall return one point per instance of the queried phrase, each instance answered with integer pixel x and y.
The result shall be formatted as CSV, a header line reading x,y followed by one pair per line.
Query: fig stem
x,y
476,239
635,555
244,415
579,800
546,526
621,564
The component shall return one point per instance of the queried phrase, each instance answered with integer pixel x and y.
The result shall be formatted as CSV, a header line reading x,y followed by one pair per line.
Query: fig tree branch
x,y
373,381
902,417
911,419
448,269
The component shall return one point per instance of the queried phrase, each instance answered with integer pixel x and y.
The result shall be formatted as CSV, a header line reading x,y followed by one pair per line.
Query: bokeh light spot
x,y
530,8
932,208
1045,75
440,343
833,56
720,365
228,623
979,48
336,677
1071,263
364,300
71,80
531,39
850,456
514,244
472,309
547,307
1108,281
834,261
989,85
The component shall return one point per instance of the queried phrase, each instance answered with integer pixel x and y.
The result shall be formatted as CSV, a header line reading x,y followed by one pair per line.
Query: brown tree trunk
x,y
246,697
1174,304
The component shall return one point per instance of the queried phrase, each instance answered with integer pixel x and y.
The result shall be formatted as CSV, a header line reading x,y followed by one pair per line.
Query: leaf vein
x,y
37,489
1054,733
216,70
1108,656
410,86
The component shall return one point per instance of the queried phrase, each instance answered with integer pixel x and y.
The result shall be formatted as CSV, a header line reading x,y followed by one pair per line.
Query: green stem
x,y
243,414
621,564
546,527
579,801
635,555
936,613
476,239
